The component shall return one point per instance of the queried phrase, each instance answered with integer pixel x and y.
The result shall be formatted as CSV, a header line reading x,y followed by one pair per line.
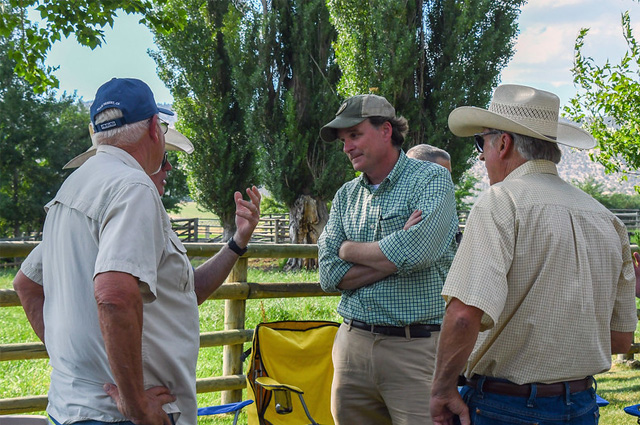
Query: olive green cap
x,y
354,110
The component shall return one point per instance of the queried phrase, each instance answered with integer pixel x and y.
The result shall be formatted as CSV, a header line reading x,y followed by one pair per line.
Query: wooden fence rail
x,y
235,291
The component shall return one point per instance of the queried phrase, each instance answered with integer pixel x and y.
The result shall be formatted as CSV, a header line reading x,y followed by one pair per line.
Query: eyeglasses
x,y
164,126
479,138
165,159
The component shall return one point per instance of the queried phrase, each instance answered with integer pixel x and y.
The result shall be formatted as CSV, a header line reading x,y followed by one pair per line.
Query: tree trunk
x,y
307,218
228,224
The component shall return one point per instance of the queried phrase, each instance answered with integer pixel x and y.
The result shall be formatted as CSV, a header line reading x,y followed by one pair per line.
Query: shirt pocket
x,y
177,266
392,222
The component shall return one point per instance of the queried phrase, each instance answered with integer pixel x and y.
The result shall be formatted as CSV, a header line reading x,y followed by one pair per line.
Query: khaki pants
x,y
381,379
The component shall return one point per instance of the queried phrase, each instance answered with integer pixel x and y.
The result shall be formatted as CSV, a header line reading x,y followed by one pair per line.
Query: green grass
x,y
620,386
191,210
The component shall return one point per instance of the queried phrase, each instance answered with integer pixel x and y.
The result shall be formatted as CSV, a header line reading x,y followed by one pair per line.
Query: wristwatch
x,y
235,248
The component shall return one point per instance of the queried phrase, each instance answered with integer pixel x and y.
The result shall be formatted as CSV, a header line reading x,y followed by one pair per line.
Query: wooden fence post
x,y
234,316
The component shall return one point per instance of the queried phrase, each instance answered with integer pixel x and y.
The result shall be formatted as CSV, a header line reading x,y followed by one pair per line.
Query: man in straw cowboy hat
x,y
387,247
110,289
540,293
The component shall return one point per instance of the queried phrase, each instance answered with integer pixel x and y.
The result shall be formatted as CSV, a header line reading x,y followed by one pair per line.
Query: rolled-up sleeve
x,y
331,268
32,265
424,243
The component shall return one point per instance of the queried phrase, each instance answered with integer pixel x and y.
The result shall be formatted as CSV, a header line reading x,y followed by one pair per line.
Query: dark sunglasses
x,y
165,159
479,138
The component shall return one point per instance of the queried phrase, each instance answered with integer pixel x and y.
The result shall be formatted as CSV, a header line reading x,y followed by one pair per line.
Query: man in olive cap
x,y
540,293
390,278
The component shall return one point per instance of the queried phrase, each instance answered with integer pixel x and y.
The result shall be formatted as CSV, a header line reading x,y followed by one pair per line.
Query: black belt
x,y
542,390
411,331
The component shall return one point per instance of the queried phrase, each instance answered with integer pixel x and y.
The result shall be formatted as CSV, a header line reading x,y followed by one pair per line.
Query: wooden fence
x,y
235,291
273,228
631,218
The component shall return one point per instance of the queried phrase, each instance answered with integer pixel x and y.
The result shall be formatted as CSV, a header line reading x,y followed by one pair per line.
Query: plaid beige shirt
x,y
422,254
551,269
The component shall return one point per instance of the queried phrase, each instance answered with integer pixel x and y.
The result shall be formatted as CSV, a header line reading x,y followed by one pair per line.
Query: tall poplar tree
x,y
294,96
197,64
426,57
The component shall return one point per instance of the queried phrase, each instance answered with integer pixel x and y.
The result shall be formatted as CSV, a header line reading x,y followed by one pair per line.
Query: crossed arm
x,y
370,263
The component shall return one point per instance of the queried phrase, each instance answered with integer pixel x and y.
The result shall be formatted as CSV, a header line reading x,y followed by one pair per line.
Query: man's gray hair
x,y
126,135
531,148
429,153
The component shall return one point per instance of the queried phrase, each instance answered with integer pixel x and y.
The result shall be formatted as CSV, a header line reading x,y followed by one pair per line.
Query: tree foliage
x,y
291,95
610,200
197,64
608,103
36,25
38,135
426,57
294,97
176,190
464,190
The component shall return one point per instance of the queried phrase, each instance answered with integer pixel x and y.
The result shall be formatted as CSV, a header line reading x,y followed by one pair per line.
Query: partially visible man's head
x,y
159,179
425,152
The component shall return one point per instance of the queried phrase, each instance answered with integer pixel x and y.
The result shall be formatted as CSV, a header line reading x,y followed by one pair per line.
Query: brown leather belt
x,y
542,390
411,331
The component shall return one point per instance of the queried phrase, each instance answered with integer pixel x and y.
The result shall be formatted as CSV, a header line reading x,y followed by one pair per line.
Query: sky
x,y
543,58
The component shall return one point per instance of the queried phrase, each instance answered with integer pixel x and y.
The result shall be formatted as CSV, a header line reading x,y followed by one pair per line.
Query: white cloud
x,y
548,30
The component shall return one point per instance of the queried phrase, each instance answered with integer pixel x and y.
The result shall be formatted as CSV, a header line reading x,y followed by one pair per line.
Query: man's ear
x,y
153,128
387,130
505,144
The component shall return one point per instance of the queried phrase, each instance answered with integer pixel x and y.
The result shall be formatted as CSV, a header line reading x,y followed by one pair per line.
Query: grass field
x,y
620,386
191,210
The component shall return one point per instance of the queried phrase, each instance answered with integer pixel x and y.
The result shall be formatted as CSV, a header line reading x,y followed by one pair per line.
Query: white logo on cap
x,y
342,108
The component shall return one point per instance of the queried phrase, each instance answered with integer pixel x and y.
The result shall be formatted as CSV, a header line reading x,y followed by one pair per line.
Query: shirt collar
x,y
120,154
536,166
393,176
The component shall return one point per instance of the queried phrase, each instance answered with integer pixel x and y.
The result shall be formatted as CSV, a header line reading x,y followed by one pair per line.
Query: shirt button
x,y
371,226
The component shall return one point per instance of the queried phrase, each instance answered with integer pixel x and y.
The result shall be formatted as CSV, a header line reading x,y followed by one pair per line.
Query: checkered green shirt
x,y
422,254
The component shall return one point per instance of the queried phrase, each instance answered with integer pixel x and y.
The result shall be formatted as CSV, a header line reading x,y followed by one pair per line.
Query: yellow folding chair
x,y
291,357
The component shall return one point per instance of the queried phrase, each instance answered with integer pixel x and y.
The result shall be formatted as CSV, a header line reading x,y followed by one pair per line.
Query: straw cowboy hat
x,y
174,141
522,110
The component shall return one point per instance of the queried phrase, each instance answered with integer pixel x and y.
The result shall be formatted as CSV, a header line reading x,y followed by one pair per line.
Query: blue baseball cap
x,y
131,96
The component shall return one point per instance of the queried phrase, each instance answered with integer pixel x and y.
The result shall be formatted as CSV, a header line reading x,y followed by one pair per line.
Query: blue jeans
x,y
496,409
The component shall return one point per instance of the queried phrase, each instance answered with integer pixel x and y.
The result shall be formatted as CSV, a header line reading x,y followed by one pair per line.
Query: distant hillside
x,y
575,165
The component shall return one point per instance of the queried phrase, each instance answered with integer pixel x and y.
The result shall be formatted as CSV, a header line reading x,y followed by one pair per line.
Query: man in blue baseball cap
x,y
110,289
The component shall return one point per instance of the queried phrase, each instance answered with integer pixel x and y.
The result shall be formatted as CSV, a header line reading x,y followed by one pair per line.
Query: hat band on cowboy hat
x,y
522,110
174,141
